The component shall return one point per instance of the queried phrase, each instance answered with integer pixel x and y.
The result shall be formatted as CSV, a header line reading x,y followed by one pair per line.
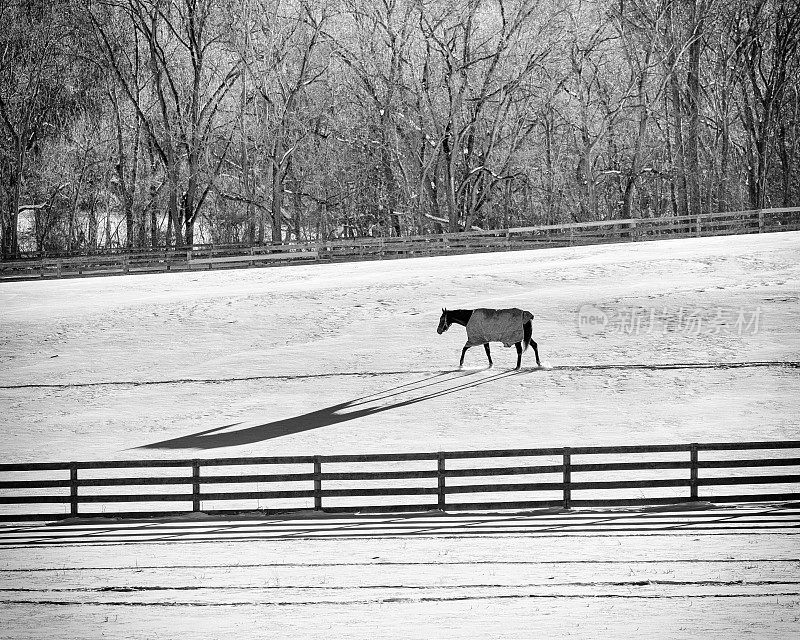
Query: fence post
x,y
441,476
567,477
195,485
761,221
73,488
693,472
317,484
697,227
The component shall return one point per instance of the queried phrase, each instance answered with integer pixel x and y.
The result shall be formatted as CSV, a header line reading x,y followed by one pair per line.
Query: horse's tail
x,y
527,333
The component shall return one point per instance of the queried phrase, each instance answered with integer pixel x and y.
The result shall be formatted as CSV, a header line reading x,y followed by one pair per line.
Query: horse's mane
x,y
460,316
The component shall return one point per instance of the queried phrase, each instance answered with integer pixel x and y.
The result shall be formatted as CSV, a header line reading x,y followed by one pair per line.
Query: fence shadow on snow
x,y
700,519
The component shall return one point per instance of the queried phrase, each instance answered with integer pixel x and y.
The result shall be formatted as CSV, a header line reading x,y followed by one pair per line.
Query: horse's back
x,y
497,325
512,314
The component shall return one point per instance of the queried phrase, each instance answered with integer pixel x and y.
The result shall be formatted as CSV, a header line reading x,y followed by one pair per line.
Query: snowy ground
x,y
726,573
345,358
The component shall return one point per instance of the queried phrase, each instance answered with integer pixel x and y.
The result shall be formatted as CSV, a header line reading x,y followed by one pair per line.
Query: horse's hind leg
x,y
536,352
488,353
463,353
518,345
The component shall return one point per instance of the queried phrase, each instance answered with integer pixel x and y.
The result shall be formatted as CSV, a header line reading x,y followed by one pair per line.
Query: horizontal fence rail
x,y
454,481
206,257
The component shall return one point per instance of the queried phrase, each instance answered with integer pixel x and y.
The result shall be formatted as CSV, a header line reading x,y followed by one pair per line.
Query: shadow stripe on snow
x,y
443,587
794,364
407,600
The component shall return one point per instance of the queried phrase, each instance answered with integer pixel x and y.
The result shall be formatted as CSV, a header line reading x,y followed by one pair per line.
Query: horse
x,y
509,326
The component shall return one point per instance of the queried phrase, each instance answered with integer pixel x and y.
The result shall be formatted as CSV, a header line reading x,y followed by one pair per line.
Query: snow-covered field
x,y
729,573
345,358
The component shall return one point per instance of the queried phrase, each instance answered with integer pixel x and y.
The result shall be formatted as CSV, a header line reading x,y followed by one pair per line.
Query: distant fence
x,y
204,257
402,482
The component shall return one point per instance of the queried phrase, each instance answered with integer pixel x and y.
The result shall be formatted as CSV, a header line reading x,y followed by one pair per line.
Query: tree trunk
x,y
73,214
277,197
633,174
189,199
550,188
92,239
450,152
153,194
11,219
193,144
679,179
175,225
783,152
722,185
693,131
135,212
390,182
13,228
245,160
188,221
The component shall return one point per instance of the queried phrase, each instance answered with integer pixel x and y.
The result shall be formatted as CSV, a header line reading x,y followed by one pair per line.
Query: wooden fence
x,y
402,482
206,257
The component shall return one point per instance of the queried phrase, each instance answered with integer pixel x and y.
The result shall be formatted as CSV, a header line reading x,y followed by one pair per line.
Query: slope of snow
x,y
345,358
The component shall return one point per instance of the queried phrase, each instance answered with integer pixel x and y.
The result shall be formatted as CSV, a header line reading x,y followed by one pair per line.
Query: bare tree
x,y
178,102
284,62
34,100
479,56
765,38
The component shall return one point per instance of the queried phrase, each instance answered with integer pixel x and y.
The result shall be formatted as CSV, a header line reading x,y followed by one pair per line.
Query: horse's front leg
x,y
518,345
488,353
463,353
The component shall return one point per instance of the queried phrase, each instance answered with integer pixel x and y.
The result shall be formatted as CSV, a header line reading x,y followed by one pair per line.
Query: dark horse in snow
x,y
509,326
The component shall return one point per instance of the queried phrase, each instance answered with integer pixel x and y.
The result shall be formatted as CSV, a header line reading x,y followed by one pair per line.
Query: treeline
x,y
143,123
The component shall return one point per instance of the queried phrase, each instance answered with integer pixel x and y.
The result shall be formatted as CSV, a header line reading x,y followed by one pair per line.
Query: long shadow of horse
x,y
233,435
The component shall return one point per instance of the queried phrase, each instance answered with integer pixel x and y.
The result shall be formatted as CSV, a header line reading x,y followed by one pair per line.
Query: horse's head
x,y
444,325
